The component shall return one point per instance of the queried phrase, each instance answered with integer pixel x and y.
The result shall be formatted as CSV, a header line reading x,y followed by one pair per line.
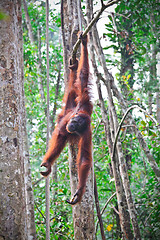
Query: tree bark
x,y
16,196
109,130
83,213
137,132
98,209
123,169
158,89
39,77
122,204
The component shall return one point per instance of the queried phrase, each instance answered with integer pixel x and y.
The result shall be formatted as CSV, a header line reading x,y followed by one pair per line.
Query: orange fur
x,y
77,103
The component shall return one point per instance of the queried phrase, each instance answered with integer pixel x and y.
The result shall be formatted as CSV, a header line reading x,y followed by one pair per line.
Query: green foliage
x,y
135,28
133,33
105,182
35,104
144,185
60,212
146,193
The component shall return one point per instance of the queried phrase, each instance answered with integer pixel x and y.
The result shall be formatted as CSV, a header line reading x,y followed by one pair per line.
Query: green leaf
x,y
143,123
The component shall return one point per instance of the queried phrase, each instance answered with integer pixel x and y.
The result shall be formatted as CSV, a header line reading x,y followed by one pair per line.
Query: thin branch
x,y
112,16
56,96
90,25
40,211
115,210
97,128
129,125
148,217
106,204
140,138
120,125
47,187
118,14
98,209
39,180
102,3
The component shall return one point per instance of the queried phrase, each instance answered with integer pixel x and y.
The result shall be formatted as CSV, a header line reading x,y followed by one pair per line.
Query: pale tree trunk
x,y
155,64
16,207
150,99
158,89
39,76
122,205
114,124
112,113
28,185
153,77
39,67
83,213
32,41
28,22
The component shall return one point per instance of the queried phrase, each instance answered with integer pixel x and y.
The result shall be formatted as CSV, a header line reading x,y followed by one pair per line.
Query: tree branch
x,y
98,209
120,125
95,19
106,204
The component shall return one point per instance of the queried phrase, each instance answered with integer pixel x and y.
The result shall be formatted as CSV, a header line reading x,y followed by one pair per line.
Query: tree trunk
x,y
28,22
83,213
16,207
109,127
122,204
158,89
28,187
110,131
138,134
